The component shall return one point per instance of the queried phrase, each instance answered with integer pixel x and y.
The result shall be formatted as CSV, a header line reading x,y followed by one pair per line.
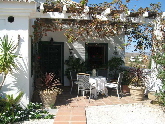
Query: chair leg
x,y
117,93
77,93
106,92
83,93
121,93
71,90
71,87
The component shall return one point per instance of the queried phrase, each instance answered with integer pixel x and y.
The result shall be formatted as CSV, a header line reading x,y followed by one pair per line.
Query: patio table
x,y
99,83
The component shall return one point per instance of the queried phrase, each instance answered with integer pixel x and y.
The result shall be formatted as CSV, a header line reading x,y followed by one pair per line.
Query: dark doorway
x,y
51,58
96,55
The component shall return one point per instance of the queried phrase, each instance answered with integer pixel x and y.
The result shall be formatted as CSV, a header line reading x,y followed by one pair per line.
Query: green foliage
x,y
139,36
114,65
137,76
16,113
74,64
7,55
159,58
49,83
126,80
9,101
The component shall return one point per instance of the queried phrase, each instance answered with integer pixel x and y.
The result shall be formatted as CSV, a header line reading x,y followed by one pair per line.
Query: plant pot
x,y
152,96
48,98
125,89
137,93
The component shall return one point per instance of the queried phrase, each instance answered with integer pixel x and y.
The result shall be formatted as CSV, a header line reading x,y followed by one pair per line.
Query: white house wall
x,y
79,46
20,79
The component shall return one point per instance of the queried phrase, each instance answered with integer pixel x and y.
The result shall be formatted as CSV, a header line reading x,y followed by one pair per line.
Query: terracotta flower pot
x,y
137,93
48,98
125,89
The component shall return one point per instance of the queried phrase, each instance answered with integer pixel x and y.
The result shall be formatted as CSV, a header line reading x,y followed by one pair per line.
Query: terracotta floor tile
x,y
61,122
63,113
78,118
116,102
78,113
106,102
62,118
73,105
100,103
77,122
68,109
72,108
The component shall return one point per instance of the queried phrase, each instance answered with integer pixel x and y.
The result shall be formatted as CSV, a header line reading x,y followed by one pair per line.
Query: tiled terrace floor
x,y
72,109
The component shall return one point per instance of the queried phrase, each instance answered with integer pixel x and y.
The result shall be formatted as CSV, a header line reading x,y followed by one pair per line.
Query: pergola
x,y
96,21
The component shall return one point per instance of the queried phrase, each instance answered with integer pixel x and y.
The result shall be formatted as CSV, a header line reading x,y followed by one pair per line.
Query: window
x,y
96,55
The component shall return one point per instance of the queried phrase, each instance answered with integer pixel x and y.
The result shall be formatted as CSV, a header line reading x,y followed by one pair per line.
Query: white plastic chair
x,y
84,85
116,85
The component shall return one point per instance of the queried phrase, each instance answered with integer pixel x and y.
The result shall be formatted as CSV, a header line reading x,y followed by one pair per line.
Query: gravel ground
x,y
125,114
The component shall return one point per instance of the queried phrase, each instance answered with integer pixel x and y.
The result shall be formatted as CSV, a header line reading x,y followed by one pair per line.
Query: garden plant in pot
x,y
125,82
74,64
137,84
48,89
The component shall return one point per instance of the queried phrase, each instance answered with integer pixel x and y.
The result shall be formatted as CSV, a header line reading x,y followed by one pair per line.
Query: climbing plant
x,y
94,27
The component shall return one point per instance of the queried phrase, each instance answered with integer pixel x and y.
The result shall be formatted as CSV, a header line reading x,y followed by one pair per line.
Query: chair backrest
x,y
120,78
84,78
73,75
80,76
86,83
102,72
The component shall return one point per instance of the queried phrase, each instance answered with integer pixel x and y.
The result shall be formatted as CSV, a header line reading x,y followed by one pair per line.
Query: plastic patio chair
x,y
84,84
116,85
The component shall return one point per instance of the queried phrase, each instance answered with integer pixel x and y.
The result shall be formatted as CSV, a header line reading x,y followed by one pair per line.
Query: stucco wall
x,y
20,79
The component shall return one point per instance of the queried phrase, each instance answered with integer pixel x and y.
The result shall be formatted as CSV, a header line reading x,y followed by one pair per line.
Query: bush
x,y
11,111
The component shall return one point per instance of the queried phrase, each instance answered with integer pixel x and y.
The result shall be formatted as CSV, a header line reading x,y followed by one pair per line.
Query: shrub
x,y
11,111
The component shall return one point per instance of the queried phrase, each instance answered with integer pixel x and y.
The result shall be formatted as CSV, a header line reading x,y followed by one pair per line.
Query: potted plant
x,y
114,65
125,82
48,89
137,85
74,64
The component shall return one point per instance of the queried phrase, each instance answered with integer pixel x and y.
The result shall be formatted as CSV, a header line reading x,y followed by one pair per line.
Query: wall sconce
x,y
51,40
115,51
10,19
70,51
